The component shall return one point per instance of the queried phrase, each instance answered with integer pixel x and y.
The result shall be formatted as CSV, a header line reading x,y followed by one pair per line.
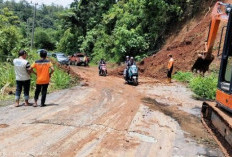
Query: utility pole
x,y
76,4
28,29
33,27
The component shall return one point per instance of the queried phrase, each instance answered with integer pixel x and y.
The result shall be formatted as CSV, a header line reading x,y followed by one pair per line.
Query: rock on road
x,y
101,117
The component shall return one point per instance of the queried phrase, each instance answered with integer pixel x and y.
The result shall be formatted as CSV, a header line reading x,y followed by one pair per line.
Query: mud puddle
x,y
189,123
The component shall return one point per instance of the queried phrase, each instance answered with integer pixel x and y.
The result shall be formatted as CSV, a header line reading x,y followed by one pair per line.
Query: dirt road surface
x,y
105,117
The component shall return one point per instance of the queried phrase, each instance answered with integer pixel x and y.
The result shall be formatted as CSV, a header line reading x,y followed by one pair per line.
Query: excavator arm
x,y
205,57
219,13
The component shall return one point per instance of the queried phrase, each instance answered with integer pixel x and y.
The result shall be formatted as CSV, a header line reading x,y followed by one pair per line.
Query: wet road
x,y
101,117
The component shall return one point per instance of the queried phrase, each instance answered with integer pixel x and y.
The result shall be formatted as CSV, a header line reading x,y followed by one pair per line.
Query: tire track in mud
x,y
102,123
189,123
115,109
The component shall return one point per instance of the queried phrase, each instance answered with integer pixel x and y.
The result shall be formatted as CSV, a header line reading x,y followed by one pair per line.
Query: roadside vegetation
x,y
203,87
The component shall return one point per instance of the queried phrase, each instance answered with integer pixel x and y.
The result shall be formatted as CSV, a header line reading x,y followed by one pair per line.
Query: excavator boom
x,y
205,57
219,13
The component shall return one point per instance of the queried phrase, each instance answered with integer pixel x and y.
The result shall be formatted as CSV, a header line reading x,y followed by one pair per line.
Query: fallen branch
x,y
4,88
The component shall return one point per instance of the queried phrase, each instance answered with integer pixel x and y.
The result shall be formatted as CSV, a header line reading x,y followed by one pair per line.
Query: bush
x,y
60,79
183,76
204,87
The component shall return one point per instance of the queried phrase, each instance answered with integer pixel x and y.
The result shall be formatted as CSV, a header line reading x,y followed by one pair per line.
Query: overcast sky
x,y
64,3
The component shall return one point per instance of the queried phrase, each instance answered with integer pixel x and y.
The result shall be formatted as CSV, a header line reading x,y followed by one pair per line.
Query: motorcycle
x,y
103,70
132,77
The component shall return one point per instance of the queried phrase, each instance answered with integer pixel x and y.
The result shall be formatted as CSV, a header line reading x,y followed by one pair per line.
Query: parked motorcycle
x,y
132,77
103,70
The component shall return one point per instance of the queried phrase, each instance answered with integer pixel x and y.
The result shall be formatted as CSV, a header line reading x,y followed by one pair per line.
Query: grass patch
x,y
183,76
203,87
60,79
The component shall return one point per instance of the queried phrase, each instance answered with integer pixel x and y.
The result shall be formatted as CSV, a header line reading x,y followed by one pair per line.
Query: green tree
x,y
42,40
10,34
69,42
81,18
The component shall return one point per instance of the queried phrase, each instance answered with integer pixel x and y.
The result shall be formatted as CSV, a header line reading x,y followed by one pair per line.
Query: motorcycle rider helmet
x,y
132,58
127,56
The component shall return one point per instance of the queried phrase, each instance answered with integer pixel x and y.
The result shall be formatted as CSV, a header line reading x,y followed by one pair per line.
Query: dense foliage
x,y
10,34
44,39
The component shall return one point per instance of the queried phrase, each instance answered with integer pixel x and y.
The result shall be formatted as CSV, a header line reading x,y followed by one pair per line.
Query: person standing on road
x,y
44,70
22,73
170,68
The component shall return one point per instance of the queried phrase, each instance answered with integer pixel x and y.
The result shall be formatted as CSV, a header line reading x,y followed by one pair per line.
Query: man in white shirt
x,y
22,73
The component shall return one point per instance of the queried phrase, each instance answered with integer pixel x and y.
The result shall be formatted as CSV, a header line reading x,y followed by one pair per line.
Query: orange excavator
x,y
217,117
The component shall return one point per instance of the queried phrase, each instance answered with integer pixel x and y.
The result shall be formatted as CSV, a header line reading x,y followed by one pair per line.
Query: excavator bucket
x,y
219,123
201,65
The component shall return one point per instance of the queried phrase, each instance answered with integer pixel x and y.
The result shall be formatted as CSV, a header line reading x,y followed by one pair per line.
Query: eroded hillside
x,y
183,46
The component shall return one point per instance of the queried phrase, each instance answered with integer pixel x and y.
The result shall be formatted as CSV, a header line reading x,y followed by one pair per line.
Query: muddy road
x,y
105,117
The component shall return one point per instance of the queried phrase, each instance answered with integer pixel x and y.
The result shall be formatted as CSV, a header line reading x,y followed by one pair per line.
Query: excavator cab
x,y
224,91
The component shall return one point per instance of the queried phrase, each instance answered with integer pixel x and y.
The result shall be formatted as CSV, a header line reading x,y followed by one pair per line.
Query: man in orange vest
x,y
44,70
170,68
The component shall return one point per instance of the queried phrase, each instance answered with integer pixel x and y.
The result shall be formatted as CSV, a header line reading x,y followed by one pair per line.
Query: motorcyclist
x,y
127,60
99,65
125,70
129,63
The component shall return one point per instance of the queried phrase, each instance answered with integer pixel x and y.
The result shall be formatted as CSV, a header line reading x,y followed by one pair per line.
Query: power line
x,y
53,2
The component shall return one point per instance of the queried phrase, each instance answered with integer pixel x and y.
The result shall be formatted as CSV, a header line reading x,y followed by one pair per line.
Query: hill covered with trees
x,y
102,28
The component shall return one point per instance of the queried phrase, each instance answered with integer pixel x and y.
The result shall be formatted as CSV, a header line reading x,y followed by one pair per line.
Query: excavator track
x,y
219,123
